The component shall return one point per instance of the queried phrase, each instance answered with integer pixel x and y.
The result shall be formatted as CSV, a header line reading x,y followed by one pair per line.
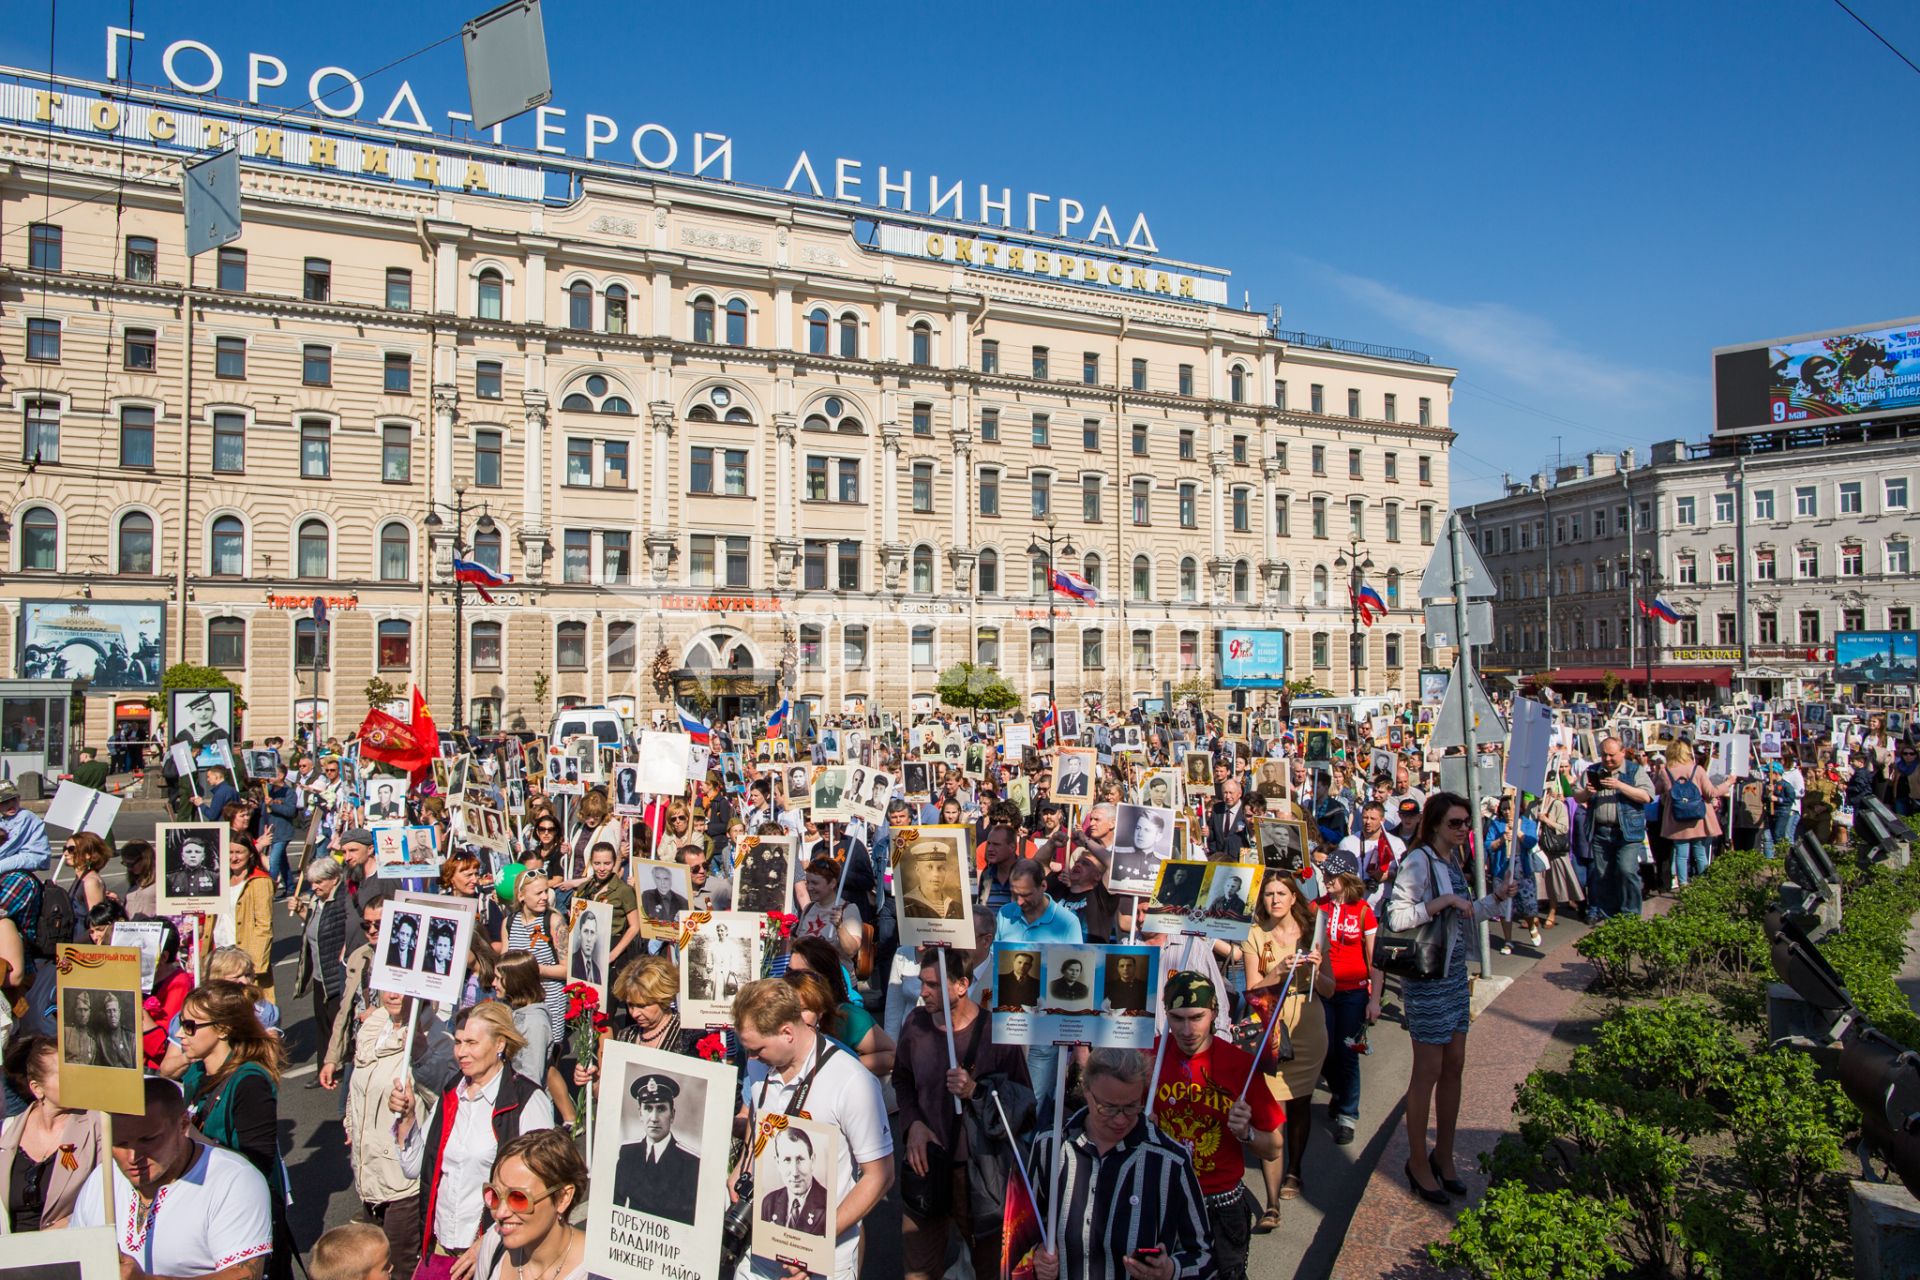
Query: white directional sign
x,y
1440,624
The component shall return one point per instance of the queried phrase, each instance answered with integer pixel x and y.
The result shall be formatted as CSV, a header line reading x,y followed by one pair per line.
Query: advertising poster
x,y
795,1176
931,878
1209,899
422,950
659,1163
1876,657
113,646
1253,659
1845,375
1078,993
98,1015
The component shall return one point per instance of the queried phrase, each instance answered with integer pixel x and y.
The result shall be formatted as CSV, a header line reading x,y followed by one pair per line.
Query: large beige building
x,y
753,430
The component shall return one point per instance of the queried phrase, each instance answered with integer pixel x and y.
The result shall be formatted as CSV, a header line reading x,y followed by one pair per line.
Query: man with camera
x,y
1614,793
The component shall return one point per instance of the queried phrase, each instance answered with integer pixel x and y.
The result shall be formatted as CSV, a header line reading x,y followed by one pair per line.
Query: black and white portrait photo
x,y
1229,891
442,938
722,956
1142,840
867,796
913,779
99,1029
1016,979
763,874
403,946
1073,776
386,799
193,867
830,793
657,1173
422,949
1126,982
1283,843
795,1178
1069,978
628,799
1160,788
199,718
1069,725
665,892
1199,767
1179,886
590,942
262,763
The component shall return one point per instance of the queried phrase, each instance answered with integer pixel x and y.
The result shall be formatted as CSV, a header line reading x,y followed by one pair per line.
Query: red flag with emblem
x,y
388,740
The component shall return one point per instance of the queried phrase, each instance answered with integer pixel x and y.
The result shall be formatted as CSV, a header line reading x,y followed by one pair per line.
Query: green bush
x,y
1516,1234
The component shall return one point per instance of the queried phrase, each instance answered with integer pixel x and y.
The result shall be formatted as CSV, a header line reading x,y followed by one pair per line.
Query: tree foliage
x,y
972,687
191,675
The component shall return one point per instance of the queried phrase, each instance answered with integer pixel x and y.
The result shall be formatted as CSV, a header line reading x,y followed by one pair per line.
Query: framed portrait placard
x,y
763,874
828,801
1079,993
1142,840
661,1139
932,876
721,954
1161,788
1210,899
406,853
590,938
795,1181
422,950
666,893
146,937
663,763
868,791
1074,771
193,874
98,1019
72,1253
628,800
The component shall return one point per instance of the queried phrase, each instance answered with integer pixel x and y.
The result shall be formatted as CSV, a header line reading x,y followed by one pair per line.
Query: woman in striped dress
x,y
535,927
1431,884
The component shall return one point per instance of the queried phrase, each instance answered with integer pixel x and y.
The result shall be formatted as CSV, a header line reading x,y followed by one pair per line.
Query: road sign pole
x,y
1464,680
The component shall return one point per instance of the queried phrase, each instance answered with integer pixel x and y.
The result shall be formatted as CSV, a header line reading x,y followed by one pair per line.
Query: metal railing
x,y
1300,338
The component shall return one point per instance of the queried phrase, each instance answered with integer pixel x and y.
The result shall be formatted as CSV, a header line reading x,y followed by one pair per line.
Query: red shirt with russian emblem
x,y
1190,1104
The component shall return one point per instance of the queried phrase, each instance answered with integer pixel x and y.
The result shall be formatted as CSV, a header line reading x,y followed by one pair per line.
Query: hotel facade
x,y
801,445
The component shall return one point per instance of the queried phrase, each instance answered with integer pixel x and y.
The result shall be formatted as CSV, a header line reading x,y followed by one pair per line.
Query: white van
x,y
603,724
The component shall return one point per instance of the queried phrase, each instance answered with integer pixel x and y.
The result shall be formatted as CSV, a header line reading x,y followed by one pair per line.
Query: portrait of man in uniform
x,y
932,887
656,1175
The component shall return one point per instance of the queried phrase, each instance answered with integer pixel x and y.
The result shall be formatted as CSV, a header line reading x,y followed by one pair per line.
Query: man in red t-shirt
x,y
1195,1102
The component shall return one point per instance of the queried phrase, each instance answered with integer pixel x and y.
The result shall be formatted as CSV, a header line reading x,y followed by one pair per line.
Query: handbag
x,y
1412,953
929,1195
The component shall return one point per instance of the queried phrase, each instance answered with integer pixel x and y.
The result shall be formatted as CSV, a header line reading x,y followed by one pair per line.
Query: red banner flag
x,y
1020,1230
389,741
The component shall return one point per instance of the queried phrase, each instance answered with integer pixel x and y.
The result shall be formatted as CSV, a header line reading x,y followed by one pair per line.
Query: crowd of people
x,y
464,1118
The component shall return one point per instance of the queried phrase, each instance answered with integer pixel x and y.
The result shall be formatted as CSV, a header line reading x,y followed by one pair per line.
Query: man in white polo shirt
x,y
792,1069
181,1208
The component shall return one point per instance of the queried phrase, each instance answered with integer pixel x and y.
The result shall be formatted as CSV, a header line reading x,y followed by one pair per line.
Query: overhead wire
x,y
1891,48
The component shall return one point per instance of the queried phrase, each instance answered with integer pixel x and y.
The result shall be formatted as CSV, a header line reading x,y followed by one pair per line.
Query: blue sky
x,y
1572,203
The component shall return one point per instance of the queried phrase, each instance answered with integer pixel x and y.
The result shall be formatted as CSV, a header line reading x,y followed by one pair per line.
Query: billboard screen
x,y
1253,659
1877,657
1818,379
112,644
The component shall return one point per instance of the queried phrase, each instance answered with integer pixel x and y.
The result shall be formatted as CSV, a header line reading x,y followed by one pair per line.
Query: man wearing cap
x,y
23,836
202,724
1196,1102
931,893
656,1175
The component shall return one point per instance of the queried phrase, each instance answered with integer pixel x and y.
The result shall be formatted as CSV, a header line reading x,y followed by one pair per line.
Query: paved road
x,y
1305,1246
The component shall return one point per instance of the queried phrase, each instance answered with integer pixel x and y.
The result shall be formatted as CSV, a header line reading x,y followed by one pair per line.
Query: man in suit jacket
x,y
656,1175
1020,984
800,1201
661,902
1227,824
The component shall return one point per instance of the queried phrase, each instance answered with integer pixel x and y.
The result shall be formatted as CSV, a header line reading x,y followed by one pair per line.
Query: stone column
x,y
1270,566
660,539
1218,565
533,502
786,546
446,405
893,552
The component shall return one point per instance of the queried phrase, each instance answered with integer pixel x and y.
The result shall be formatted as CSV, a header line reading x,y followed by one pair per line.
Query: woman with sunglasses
x,y
450,1158
232,1090
47,1151
1431,883
86,853
390,1197
248,921
538,1180
142,898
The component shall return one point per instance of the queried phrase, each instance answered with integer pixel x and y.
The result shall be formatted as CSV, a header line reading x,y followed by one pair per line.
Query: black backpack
x,y
48,920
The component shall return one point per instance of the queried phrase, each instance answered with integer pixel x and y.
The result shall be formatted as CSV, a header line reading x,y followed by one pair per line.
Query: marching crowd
x,y
462,1119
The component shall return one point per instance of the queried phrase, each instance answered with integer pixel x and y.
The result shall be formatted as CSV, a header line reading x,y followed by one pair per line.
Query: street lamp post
x,y
1351,560
458,509
1034,549
1650,590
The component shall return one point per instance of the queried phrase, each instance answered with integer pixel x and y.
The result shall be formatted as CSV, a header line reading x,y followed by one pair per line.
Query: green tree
x,y
189,675
380,692
972,687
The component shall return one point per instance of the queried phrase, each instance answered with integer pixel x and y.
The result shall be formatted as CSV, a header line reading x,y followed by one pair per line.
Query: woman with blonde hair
x,y
232,1090
1281,943
451,1158
1691,818
649,989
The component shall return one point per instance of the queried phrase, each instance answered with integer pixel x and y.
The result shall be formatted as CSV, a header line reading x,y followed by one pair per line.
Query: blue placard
x,y
1253,659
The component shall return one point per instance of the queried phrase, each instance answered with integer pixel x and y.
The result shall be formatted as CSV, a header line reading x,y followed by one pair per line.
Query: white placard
x,y
78,808
664,761
422,950
1530,743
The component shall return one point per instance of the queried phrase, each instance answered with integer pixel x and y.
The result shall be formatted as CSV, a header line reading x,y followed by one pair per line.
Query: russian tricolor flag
x,y
479,577
1659,609
1372,607
1069,584
777,719
697,729
1047,728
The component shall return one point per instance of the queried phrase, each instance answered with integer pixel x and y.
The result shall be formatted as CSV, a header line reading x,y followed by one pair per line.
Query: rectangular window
x,y
396,453
140,350
1280,454
1090,368
1041,428
576,555
1280,513
399,374
1895,493
989,491
847,562
1809,626
1189,507
1242,518
136,436
1240,451
486,380
1039,362
1143,502
1723,567
1390,465
399,289
923,487
1093,650
986,646
920,647
989,356
614,464
814,565
570,646
316,282
45,247
811,657
1353,465
233,271
1393,522
989,425
227,643
1186,379
1897,558
1763,566
1042,494
1763,504
1725,629
1686,570
1143,651
1426,412
853,648
1357,517
230,358
1806,562
1280,393
1090,499
1319,459
847,472
1853,619
1900,618
316,448
700,560
579,461
738,558
1139,374
1319,517
1317,398
733,473
43,340
923,419
483,646
1683,510
316,366
1139,437
229,442
700,474
1852,501
1852,560
1689,630
1186,445
1090,435
486,459
1426,526
1806,502
1723,508
1391,407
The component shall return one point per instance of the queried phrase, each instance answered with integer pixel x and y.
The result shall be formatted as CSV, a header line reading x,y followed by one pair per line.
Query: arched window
x,y
570,646
922,343
1320,584
849,336
486,549
923,570
227,547
493,295
703,319
1090,569
39,540
312,549
737,323
1189,580
226,642
580,305
594,394
737,414
616,308
1242,582
396,552
483,646
1393,588
1237,384
988,571
817,331
135,543
394,651
1142,578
